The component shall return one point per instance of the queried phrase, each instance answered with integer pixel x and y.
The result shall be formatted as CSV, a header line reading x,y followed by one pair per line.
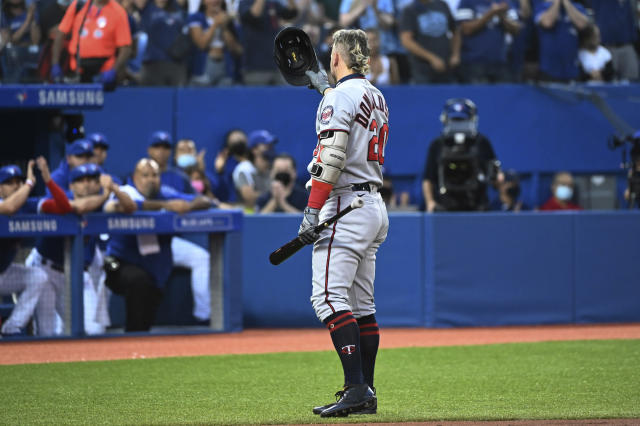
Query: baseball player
x,y
352,124
90,191
31,282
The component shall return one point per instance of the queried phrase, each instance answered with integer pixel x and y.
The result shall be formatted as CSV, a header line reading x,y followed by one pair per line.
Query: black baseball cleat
x,y
353,399
370,410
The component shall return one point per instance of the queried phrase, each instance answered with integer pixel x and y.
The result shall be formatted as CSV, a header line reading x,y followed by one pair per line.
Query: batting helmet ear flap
x,y
294,55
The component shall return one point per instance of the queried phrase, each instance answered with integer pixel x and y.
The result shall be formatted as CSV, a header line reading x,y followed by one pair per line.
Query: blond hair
x,y
353,48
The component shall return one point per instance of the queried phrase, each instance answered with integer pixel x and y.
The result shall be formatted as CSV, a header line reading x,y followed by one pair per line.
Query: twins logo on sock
x,y
349,349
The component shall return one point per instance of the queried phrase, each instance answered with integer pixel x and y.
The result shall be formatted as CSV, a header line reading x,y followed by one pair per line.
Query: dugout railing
x,y
221,228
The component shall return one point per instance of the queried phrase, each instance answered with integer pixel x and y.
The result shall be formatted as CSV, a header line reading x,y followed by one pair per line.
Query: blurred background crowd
x,y
230,42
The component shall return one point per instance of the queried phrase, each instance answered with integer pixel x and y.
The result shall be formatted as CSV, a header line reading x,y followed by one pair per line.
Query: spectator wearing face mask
x,y
286,195
160,151
200,183
509,194
187,156
192,163
251,175
562,194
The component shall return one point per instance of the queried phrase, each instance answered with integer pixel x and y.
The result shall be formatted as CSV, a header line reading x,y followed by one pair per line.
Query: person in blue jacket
x,y
138,266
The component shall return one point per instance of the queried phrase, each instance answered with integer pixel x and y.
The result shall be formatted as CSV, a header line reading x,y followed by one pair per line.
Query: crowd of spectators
x,y
230,42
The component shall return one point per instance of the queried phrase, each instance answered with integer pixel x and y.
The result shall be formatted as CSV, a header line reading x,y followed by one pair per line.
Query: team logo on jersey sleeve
x,y
326,114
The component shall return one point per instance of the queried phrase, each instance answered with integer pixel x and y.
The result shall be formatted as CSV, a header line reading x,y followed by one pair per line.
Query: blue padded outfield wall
x,y
456,269
444,270
533,129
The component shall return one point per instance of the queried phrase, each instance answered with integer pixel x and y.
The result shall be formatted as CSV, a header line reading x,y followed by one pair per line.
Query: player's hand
x,y
177,206
106,182
438,65
319,80
431,206
30,175
41,162
307,232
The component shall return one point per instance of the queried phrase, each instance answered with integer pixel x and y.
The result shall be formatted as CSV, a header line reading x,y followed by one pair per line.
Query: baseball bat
x,y
290,248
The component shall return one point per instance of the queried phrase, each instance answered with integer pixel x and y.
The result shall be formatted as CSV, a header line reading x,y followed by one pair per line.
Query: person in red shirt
x,y
562,193
104,44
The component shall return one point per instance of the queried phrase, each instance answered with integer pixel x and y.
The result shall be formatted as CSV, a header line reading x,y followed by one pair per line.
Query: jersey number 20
x,y
378,142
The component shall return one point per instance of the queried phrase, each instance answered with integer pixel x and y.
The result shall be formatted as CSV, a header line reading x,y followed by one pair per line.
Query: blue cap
x,y
83,170
10,172
80,147
261,136
160,138
98,139
459,110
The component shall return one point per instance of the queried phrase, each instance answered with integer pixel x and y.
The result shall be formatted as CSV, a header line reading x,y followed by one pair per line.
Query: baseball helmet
x,y
294,55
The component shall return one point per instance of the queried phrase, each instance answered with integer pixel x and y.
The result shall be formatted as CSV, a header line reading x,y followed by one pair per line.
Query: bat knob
x,y
357,203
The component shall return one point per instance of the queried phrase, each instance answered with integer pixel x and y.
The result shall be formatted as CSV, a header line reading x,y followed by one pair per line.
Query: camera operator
x,y
460,163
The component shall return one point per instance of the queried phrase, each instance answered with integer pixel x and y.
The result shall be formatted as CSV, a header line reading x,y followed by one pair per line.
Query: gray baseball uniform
x,y
344,255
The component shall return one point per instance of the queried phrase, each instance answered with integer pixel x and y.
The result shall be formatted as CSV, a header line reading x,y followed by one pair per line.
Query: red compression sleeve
x,y
60,203
319,193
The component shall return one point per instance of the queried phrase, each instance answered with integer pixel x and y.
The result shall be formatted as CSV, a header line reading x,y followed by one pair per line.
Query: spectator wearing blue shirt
x,y
429,32
619,30
559,22
522,48
213,33
30,282
19,39
160,151
78,152
138,266
485,25
90,191
164,62
260,20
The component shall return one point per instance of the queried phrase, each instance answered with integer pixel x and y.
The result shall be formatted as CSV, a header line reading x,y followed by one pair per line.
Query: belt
x,y
56,266
366,186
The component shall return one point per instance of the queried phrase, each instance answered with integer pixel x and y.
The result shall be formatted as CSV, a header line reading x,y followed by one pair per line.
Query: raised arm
x,y
579,20
59,203
549,17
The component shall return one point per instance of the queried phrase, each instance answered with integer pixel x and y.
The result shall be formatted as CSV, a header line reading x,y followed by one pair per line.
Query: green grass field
x,y
554,380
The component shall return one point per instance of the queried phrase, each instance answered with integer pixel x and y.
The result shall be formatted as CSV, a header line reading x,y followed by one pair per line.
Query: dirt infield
x,y
290,340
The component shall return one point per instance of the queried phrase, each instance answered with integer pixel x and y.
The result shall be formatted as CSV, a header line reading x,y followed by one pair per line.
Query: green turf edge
x,y
550,380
